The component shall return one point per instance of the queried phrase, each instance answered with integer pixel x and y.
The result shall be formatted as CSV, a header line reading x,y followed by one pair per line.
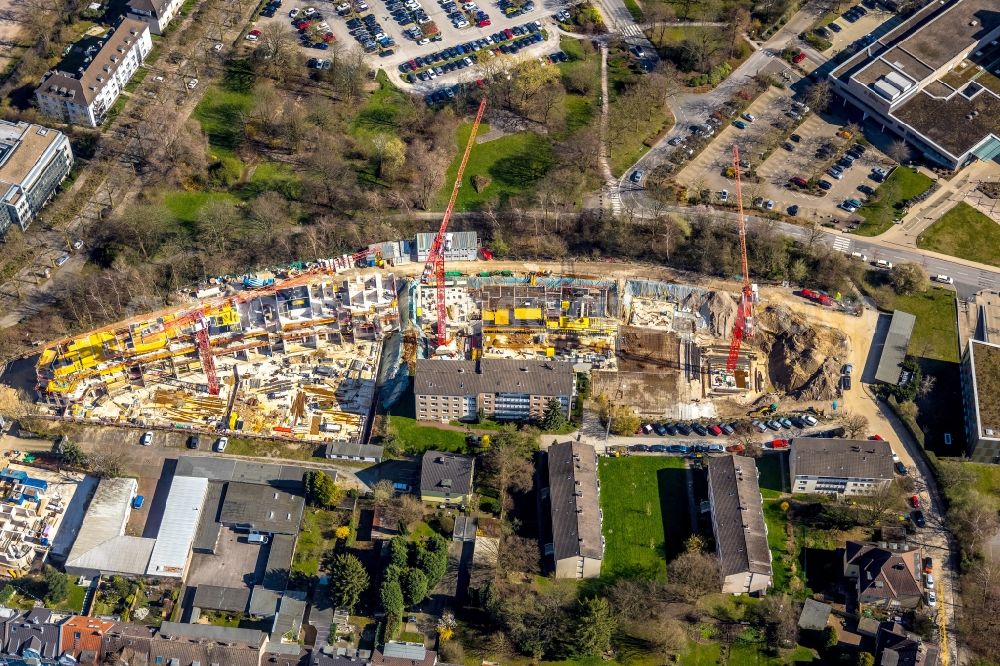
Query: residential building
x,y
458,246
577,546
884,577
839,466
31,635
85,95
445,478
738,524
34,160
894,349
177,643
352,451
397,653
931,80
981,382
894,646
82,636
501,389
157,14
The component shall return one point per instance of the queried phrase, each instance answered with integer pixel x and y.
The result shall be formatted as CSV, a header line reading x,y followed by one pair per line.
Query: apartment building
x,y
501,389
84,95
980,387
738,525
34,160
577,545
445,478
157,14
932,80
839,466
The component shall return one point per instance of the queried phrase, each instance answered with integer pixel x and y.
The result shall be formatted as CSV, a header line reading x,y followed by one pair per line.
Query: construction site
x,y
294,359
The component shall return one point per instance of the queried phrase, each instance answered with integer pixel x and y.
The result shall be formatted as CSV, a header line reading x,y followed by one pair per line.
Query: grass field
x,y
316,538
987,480
644,499
218,113
935,335
513,163
185,205
964,232
384,111
776,521
773,470
580,109
904,183
417,438
708,654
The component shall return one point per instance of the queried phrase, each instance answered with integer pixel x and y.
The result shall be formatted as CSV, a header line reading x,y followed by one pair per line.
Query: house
x,y
157,14
85,96
82,636
501,389
883,577
577,546
894,646
839,466
895,347
738,524
445,478
34,161
917,81
351,451
397,653
32,635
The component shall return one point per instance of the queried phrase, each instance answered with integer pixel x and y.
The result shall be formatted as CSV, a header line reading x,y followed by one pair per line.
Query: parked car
x,y
146,439
798,181
931,599
901,468
917,517
62,260
944,279
778,444
835,27
638,448
883,263
192,442
715,430
658,448
727,428
799,57
915,501
928,565
699,429
138,501
220,445
810,420
636,176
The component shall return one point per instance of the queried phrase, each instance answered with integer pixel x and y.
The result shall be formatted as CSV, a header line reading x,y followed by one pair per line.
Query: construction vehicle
x,y
435,258
744,312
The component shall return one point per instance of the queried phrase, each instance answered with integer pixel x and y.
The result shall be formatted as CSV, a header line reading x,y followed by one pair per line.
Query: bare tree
x,y
382,493
899,151
819,95
855,424
879,505
694,574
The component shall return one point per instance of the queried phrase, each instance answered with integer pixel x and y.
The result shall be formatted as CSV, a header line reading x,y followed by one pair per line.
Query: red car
x,y
302,25
799,58
799,180
876,438
328,37
735,448
509,33
915,501
484,23
715,430
779,444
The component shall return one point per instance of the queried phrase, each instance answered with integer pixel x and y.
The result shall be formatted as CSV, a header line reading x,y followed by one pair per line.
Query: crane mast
x,y
435,258
744,313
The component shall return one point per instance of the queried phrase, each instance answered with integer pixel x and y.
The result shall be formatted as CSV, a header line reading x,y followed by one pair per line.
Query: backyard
x,y
644,500
316,540
935,336
902,184
964,232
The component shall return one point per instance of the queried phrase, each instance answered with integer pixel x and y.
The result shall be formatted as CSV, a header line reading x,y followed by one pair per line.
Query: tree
x,y
432,559
926,387
898,151
399,552
875,507
694,574
507,464
382,493
831,638
389,153
108,463
56,585
411,509
855,424
864,659
818,96
321,490
391,596
624,420
72,455
413,583
908,277
554,417
781,615
595,628
348,580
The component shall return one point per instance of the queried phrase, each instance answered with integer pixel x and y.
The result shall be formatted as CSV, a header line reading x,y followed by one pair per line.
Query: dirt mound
x,y
803,360
717,308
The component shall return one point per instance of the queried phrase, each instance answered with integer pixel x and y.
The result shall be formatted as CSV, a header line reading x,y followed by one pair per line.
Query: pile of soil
x,y
717,308
803,359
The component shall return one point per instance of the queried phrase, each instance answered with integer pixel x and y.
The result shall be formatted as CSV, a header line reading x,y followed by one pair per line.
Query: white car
x,y
158,79
749,117
769,204
146,439
944,279
324,26
859,255
343,7
220,445
469,6
77,244
724,195
62,260
294,11
309,11
929,581
462,24
217,47
192,84
423,41
931,599
251,37
882,263
895,457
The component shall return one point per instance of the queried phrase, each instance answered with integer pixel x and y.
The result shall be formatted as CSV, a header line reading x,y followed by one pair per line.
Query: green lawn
x,y
263,448
935,335
385,110
74,601
185,205
513,163
964,232
987,479
708,654
644,499
316,538
770,467
276,176
776,521
904,183
219,113
417,438
580,109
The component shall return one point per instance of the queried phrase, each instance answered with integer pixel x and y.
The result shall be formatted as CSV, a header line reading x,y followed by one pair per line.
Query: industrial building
x,y
458,246
895,347
101,67
445,478
840,466
34,161
980,388
738,525
502,389
577,545
933,80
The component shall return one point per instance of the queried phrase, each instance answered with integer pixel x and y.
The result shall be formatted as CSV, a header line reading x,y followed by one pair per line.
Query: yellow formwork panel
x,y
489,315
502,317
46,357
528,314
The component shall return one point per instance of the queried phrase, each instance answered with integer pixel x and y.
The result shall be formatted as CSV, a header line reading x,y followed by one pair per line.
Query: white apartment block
x,y
34,160
85,96
840,466
157,14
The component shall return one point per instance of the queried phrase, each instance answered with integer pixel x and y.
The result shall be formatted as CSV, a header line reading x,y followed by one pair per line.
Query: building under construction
x,y
297,360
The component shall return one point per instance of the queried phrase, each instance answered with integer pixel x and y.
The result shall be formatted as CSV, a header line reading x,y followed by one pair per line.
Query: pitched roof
x,y
101,543
884,573
246,471
897,342
210,632
574,496
178,526
741,536
352,449
847,458
91,632
379,658
814,615
900,648
214,597
494,375
446,472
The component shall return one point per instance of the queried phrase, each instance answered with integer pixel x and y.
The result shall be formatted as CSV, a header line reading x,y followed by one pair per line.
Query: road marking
x,y
614,197
842,244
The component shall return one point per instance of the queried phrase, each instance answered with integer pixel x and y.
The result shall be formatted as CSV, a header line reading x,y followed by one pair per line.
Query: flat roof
x,y
106,516
897,342
178,527
209,527
214,597
741,535
952,30
213,633
574,497
460,240
956,124
986,370
352,450
263,508
988,316
232,469
841,458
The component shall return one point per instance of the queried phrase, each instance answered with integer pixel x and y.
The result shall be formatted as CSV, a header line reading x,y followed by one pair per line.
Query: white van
x,y
882,263
859,255
257,537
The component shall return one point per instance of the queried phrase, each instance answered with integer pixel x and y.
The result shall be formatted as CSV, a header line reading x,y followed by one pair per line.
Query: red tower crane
x,y
744,312
435,258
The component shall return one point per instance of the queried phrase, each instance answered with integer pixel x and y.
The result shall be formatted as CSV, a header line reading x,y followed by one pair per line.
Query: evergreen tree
x,y
414,585
348,580
554,418
399,552
392,602
432,559
321,490
596,626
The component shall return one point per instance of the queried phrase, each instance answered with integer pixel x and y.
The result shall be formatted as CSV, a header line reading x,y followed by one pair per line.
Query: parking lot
x,y
393,32
851,31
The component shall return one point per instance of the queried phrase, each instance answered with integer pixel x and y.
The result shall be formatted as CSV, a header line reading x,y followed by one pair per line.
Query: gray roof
x,y
214,597
289,617
31,631
446,473
178,526
575,501
352,450
212,633
106,516
209,527
841,458
460,240
126,555
279,561
883,573
232,469
262,508
404,650
814,615
263,601
900,648
741,535
897,342
495,375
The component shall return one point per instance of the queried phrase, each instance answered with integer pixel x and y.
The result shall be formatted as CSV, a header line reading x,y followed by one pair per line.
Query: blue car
x,y
138,502
677,448
660,429
658,448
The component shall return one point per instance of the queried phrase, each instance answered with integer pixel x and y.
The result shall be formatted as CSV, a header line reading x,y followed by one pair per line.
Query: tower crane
x,y
744,313
435,258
